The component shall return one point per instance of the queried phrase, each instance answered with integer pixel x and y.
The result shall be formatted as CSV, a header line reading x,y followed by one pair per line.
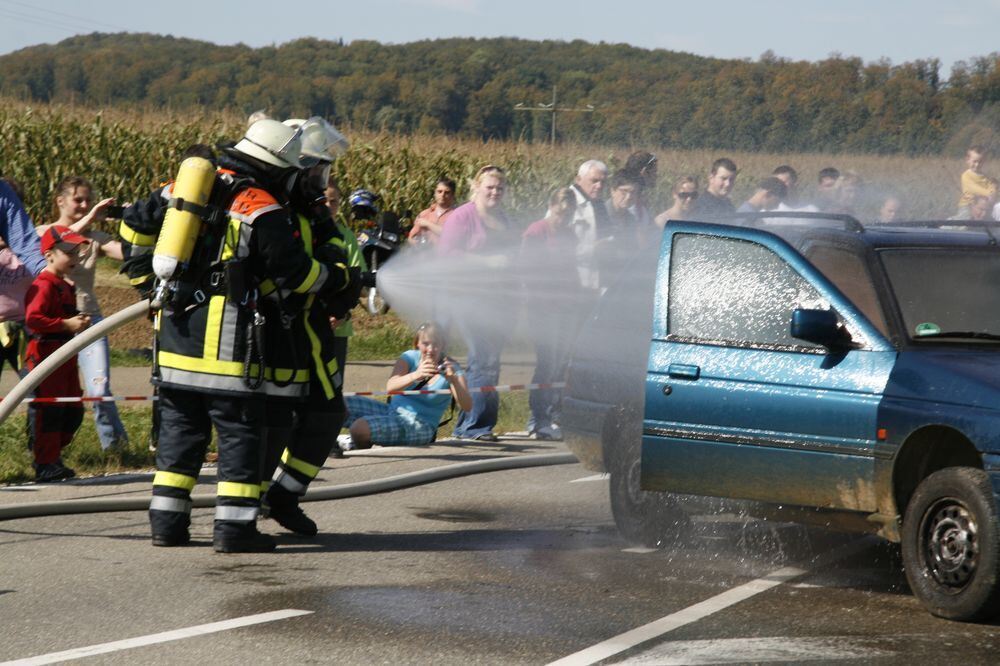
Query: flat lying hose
x,y
71,348
359,489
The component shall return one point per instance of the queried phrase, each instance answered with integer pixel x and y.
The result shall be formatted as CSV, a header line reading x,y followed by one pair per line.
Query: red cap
x,y
61,238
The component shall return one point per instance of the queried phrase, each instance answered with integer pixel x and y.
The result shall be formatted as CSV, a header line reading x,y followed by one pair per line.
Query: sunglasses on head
x,y
687,195
489,168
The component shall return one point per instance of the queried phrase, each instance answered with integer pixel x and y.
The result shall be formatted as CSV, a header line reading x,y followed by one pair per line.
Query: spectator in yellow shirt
x,y
974,182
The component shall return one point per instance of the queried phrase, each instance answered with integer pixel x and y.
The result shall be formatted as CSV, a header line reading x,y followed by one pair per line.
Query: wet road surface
x,y
521,566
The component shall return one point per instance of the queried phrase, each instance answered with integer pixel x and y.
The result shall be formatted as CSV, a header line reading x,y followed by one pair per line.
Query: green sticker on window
x,y
927,328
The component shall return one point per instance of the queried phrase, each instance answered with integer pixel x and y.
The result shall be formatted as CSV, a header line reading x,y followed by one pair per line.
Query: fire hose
x,y
71,348
359,489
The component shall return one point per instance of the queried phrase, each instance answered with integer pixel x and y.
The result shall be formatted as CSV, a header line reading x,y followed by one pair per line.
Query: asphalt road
x,y
521,566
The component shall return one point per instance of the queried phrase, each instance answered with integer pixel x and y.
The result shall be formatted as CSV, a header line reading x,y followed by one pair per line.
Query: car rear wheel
x,y
651,519
951,544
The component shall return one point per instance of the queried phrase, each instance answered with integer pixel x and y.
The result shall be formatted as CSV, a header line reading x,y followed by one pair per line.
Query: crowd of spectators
x,y
592,226
587,234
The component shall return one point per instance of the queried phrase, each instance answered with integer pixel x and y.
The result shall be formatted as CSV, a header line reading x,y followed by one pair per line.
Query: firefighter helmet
x,y
273,143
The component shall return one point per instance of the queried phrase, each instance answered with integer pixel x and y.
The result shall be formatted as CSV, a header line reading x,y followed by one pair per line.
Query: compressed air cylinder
x,y
180,227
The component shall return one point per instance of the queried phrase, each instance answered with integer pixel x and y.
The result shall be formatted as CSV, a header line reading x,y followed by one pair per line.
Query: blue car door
x,y
736,407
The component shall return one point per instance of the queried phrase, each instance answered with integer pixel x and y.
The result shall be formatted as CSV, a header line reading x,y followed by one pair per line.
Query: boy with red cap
x,y
52,319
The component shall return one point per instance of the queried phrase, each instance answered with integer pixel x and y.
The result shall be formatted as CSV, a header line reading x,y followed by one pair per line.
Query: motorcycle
x,y
378,244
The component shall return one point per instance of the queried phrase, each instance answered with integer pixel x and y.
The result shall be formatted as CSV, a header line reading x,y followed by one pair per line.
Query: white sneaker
x,y
549,433
345,443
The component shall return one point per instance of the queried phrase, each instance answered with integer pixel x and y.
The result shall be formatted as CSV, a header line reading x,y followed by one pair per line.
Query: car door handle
x,y
682,371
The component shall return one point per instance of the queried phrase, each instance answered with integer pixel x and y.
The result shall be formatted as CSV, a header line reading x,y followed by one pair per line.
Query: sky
x,y
900,30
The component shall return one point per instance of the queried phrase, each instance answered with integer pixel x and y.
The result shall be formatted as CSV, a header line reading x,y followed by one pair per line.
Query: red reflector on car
x,y
882,434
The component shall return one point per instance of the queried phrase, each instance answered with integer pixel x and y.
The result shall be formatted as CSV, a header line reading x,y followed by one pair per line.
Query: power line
x,y
33,20
84,21
553,108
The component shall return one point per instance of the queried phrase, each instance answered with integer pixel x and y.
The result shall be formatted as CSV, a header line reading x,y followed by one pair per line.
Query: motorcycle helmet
x,y
363,204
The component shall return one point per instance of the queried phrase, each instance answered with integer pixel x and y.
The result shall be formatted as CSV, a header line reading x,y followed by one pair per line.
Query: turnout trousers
x,y
300,436
186,421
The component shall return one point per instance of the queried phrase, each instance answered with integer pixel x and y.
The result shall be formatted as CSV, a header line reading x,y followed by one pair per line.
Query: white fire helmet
x,y
321,142
272,142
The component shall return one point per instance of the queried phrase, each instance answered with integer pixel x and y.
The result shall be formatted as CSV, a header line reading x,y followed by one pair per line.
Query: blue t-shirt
x,y
16,228
427,408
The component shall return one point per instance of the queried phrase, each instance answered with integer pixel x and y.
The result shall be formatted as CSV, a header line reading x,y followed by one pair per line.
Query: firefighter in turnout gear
x,y
300,435
211,335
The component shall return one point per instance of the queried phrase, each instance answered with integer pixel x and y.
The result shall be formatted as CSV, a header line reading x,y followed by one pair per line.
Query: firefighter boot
x,y
284,508
170,520
165,540
232,537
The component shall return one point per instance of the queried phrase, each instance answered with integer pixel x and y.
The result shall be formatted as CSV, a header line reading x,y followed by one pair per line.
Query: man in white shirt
x,y
590,222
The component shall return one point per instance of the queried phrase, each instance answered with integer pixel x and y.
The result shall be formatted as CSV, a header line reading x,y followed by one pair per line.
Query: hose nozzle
x,y
160,295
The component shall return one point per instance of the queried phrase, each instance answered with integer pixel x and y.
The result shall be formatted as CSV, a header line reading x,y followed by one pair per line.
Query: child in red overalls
x,y
52,319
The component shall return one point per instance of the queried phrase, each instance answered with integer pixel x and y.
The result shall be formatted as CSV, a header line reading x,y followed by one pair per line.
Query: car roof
x,y
799,229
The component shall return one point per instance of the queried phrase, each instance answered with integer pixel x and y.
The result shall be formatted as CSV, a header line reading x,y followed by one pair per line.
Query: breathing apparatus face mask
x,y
309,185
319,176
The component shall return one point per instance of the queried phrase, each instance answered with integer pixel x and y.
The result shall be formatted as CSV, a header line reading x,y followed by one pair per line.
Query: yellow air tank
x,y
180,227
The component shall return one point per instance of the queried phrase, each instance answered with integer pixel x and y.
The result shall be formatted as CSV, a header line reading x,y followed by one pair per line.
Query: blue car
x,y
849,375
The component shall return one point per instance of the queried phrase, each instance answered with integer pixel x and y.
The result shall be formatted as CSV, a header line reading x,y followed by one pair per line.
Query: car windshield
x,y
946,295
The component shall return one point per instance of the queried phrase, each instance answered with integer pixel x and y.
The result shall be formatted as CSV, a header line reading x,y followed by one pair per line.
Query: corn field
x,y
126,153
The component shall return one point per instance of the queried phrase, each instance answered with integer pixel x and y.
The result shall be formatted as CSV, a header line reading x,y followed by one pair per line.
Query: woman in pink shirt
x,y
480,229
551,300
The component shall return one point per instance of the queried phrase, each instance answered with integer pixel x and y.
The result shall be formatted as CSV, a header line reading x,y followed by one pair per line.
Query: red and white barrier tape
x,y
106,398
503,388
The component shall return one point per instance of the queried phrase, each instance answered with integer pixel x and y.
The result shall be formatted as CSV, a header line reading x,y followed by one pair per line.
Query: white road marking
x,y
595,477
758,651
22,489
152,639
668,623
639,549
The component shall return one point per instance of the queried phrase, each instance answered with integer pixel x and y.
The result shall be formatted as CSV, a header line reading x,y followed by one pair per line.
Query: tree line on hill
x,y
470,87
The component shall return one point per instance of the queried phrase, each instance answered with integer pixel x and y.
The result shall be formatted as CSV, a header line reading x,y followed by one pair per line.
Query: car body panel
x,y
754,415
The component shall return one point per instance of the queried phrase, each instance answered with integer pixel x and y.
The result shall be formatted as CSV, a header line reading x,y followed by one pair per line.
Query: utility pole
x,y
553,108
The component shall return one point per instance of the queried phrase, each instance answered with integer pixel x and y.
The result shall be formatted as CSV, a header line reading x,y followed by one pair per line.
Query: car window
x,y
944,290
724,290
848,271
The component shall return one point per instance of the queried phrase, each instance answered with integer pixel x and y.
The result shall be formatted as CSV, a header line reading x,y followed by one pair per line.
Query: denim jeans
x,y
96,371
550,367
485,345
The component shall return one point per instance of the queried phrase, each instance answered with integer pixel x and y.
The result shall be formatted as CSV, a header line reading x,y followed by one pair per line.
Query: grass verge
x,y
84,454
129,358
378,337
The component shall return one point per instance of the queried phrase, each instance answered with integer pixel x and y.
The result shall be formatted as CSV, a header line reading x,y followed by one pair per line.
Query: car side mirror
x,y
821,327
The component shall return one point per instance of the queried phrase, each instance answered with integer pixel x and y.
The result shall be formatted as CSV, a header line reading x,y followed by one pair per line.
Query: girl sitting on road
x,y
409,420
